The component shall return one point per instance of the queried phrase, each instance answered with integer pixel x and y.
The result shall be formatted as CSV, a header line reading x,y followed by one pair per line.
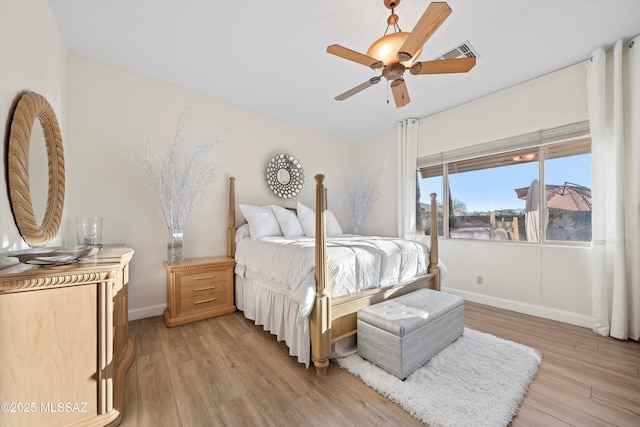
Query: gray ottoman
x,y
402,334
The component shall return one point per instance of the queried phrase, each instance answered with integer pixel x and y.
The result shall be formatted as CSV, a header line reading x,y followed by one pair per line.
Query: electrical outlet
x,y
478,280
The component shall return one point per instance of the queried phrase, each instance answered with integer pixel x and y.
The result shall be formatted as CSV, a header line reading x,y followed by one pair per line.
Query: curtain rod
x,y
629,44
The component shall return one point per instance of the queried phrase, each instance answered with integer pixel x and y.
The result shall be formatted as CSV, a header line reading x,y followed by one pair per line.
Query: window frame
x,y
538,140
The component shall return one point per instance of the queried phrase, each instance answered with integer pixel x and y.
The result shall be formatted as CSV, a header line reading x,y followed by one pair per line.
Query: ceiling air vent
x,y
465,50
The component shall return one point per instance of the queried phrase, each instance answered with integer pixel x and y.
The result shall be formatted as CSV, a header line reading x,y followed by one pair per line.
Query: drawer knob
x,y
206,278
204,301
205,289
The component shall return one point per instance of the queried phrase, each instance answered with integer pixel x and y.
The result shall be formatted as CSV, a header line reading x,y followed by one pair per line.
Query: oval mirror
x,y
285,175
32,107
38,181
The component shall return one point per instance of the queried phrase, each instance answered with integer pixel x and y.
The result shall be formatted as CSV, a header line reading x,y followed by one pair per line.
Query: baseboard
x,y
149,311
525,308
520,307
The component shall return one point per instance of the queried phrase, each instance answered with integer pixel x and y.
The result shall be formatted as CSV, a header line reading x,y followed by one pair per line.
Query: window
x,y
494,194
567,171
426,186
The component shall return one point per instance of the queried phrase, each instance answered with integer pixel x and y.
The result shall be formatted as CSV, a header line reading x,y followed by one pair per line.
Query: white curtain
x,y
614,113
407,169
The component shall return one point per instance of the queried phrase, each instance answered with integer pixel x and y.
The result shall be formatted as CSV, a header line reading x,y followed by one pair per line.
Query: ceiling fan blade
x,y
400,94
431,19
443,66
359,88
354,56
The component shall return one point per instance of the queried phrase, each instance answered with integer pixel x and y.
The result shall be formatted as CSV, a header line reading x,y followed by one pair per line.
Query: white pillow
x,y
288,221
242,232
262,221
333,226
307,219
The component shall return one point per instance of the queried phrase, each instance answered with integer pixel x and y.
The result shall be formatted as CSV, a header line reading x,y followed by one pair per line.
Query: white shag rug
x,y
478,380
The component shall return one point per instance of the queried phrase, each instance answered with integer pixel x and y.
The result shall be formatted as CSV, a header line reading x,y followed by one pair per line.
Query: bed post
x,y
231,227
433,249
320,318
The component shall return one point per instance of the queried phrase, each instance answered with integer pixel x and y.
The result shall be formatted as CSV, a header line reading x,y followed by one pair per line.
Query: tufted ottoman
x,y
402,334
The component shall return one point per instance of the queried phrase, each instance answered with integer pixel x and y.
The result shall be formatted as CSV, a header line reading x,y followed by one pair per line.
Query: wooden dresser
x,y
64,343
198,289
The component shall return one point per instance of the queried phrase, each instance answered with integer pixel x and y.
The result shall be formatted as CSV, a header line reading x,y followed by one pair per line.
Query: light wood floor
x,y
228,372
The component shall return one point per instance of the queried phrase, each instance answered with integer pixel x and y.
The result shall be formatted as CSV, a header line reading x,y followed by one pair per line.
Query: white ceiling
x,y
270,55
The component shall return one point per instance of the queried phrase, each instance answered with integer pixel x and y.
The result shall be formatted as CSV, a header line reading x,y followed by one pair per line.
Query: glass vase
x,y
175,248
89,231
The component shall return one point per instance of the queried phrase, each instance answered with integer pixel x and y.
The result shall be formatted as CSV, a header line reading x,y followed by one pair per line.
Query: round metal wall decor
x,y
285,175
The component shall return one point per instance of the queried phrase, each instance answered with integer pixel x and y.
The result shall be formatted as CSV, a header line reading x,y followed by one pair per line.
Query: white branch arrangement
x,y
179,181
362,194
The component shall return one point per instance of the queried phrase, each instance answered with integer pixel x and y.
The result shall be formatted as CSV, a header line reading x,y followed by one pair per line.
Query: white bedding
x,y
286,266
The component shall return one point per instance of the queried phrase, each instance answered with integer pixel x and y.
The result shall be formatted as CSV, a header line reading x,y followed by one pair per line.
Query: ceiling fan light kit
x,y
394,53
386,49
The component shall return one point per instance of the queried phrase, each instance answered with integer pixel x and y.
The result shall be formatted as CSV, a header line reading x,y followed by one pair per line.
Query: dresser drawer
x,y
204,302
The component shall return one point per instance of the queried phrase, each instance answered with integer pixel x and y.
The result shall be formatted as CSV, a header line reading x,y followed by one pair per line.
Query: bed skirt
x,y
277,314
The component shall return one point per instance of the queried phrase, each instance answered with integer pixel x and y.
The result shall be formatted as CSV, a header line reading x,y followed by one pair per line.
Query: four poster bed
x,y
314,312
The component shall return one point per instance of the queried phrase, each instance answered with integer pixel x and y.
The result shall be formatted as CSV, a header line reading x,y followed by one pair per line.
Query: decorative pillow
x,y
307,219
262,221
242,232
288,221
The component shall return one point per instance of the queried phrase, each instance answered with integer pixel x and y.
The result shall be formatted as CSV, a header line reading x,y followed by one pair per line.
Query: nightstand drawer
x,y
203,283
212,276
204,302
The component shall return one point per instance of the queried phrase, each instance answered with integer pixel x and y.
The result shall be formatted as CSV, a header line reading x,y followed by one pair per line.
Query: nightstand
x,y
198,289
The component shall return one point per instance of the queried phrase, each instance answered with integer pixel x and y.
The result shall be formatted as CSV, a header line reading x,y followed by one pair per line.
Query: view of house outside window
x,y
500,196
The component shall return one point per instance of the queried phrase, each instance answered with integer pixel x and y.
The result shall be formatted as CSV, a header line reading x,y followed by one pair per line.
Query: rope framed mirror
x,y
30,107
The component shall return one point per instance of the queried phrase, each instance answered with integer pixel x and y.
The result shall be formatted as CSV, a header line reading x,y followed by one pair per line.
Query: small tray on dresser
x,y
54,256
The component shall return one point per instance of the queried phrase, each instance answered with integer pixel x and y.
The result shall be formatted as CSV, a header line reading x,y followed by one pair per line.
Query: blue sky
x,y
493,189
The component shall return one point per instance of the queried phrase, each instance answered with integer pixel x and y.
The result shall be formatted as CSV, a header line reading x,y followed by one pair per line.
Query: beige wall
x,y
32,58
552,100
373,154
113,114
544,280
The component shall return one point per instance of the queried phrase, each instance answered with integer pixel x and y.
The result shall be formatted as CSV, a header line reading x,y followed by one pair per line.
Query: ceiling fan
x,y
394,53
